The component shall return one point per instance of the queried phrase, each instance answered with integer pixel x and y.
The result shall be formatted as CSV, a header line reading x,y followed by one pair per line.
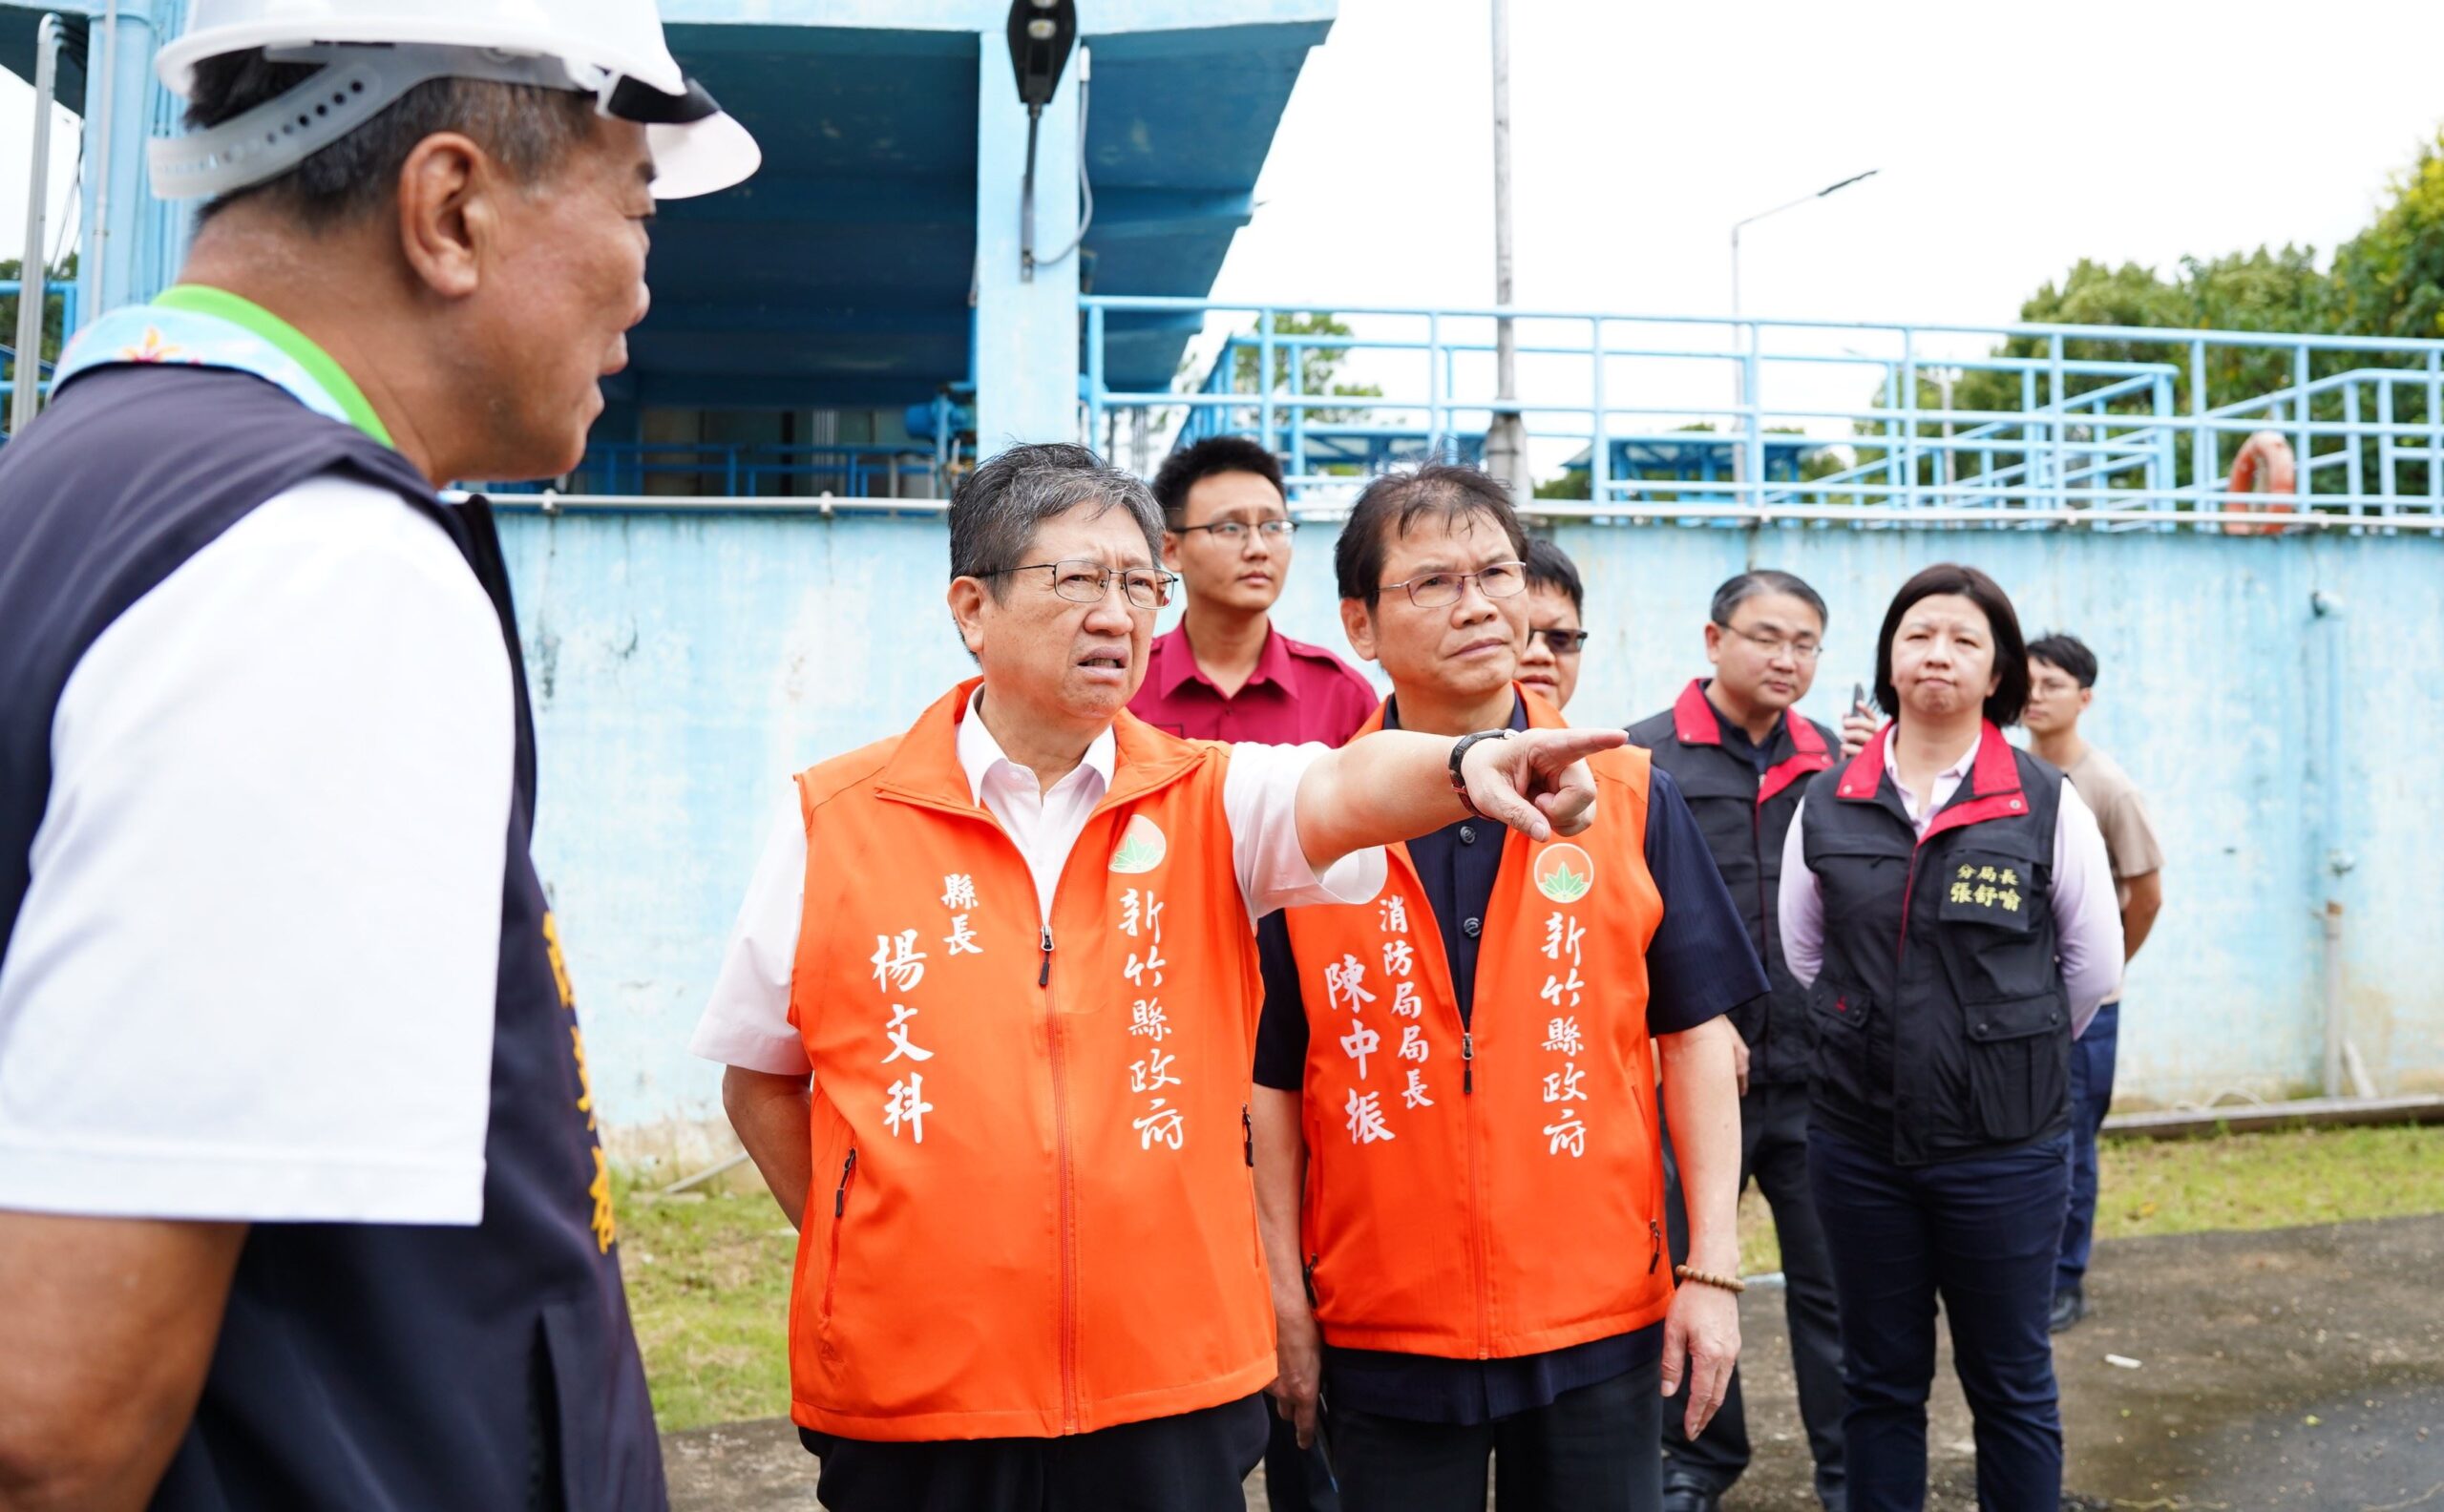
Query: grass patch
x,y
708,1283
708,1280
2236,1184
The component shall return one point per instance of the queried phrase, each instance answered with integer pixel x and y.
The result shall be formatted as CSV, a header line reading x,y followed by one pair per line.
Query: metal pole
x,y
27,370
1739,366
102,155
1747,365
1506,435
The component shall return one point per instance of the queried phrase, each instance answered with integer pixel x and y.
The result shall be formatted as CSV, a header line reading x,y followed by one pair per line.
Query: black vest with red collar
x,y
1745,816
1942,1026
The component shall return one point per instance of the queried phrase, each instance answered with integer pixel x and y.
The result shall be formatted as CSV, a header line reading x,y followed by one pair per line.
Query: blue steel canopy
x,y
841,274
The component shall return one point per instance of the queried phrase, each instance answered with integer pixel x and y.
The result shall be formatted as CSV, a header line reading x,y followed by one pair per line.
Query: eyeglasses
x,y
1775,646
1436,590
1087,582
1234,532
1561,642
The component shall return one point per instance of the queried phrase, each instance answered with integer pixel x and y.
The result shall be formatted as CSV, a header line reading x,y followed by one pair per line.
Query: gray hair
x,y
997,510
530,130
1738,590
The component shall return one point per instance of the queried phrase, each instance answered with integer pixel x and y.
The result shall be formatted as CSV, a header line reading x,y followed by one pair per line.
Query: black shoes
x,y
1687,1495
2070,1304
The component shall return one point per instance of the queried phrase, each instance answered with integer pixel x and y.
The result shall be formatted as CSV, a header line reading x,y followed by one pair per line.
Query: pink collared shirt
x,y
1297,693
2087,911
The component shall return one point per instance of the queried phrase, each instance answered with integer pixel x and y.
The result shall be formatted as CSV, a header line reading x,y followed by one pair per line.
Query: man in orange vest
x,y
1459,1165
988,1015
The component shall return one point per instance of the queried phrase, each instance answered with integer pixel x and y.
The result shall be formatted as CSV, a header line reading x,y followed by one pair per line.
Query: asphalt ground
x,y
2299,1369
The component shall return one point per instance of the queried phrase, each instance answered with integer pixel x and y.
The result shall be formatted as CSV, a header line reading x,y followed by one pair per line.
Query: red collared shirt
x,y
1297,693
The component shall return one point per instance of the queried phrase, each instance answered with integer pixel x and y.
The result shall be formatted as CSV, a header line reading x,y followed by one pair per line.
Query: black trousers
x,y
1192,1462
1773,1153
1592,1450
1982,1235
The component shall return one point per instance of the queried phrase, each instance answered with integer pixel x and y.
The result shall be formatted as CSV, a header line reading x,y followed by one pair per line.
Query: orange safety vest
x,y
1494,1190
1031,1211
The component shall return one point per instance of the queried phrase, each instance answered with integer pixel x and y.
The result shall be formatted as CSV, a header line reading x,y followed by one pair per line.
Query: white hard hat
x,y
375,51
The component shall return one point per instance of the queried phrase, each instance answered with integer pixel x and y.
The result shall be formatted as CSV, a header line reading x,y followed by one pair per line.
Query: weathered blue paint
x,y
685,664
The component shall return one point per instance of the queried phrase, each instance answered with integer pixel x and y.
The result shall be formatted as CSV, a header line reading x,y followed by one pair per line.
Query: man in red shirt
x,y
1225,672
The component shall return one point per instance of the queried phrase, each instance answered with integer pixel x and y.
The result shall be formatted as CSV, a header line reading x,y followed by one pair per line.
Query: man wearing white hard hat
x,y
302,1203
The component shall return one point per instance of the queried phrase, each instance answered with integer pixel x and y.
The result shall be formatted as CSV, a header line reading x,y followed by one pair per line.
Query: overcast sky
x,y
2010,139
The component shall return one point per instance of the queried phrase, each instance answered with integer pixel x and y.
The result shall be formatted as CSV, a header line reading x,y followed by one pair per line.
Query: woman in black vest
x,y
1947,900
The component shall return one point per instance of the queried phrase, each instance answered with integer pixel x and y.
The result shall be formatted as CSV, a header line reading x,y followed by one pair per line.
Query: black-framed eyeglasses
x,y
1500,579
1801,650
1234,532
1559,642
1087,582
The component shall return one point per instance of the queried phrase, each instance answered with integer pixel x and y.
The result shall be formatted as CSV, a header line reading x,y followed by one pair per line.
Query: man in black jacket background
x,y
1742,756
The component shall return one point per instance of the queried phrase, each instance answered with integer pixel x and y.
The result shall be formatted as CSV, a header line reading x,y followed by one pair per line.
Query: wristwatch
x,y
1458,754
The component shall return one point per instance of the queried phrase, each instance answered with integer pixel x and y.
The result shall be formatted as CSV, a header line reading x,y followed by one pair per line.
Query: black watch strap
x,y
1459,753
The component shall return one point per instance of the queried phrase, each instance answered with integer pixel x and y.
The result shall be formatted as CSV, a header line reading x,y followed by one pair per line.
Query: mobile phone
x,y
1859,699
1324,1443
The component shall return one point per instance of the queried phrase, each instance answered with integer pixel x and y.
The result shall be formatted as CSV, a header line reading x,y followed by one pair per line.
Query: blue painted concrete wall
x,y
685,666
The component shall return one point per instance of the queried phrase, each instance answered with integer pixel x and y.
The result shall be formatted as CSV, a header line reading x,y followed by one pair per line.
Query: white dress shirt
x,y
2087,913
746,1022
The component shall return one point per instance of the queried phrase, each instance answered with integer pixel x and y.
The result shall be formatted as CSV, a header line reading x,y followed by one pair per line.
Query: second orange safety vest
x,y
1031,1211
1494,1189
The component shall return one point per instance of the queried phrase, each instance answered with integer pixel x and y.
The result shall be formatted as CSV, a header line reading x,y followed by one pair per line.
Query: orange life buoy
x,y
2266,451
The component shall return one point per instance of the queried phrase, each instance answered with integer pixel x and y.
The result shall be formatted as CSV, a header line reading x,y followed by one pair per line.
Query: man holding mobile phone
x,y
1742,755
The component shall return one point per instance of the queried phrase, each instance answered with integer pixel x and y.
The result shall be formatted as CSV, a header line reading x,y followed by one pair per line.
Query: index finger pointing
x,y
1561,747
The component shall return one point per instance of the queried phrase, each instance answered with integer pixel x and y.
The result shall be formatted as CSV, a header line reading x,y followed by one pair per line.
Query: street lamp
x,y
1042,34
1793,204
1740,365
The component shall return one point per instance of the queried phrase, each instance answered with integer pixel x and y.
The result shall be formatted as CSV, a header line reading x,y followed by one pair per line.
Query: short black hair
x,y
528,128
1182,469
1744,586
2009,697
1394,502
2057,648
1548,566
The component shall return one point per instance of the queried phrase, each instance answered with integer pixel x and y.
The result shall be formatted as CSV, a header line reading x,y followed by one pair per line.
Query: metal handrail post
x,y
2352,471
1264,378
2435,427
1434,379
2060,430
1599,442
1752,413
2205,456
1094,374
1909,408
2304,440
2388,450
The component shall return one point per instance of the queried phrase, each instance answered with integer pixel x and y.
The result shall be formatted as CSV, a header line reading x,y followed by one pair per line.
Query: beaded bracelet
x,y
1734,1284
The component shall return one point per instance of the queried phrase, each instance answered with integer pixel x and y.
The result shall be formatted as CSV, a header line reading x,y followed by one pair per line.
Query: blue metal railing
x,y
64,292
750,469
1818,420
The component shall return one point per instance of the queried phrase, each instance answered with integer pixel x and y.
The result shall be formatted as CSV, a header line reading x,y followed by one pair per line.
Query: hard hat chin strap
x,y
358,82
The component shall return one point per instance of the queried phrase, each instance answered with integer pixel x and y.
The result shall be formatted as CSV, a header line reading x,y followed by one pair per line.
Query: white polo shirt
x,y
253,976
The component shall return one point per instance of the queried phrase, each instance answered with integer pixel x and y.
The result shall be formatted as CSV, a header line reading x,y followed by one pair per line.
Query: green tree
x,y
52,335
1317,370
2389,280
